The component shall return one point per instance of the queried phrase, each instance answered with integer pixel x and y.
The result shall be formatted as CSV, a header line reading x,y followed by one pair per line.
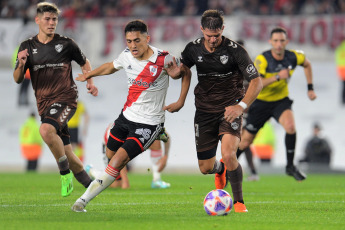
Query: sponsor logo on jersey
x,y
200,59
142,83
34,51
153,70
56,104
58,48
251,69
224,59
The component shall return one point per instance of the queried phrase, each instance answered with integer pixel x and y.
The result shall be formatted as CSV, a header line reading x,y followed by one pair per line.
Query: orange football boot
x,y
221,180
239,207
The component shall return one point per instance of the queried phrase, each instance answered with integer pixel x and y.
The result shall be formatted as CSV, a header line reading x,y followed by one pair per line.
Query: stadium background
x,y
99,33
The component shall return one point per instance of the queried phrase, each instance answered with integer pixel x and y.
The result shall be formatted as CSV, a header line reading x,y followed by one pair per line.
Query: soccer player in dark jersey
x,y
48,57
275,67
220,100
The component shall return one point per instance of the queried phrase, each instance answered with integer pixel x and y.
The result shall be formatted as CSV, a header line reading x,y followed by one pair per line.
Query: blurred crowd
x,y
147,8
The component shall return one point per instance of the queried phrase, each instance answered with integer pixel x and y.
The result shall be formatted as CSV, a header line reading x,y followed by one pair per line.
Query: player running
x,y
275,67
142,117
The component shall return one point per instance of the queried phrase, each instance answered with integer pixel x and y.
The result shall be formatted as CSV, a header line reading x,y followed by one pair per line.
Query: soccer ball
x,y
218,203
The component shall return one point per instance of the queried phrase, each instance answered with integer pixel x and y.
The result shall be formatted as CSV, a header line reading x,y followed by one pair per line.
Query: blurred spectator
x,y
317,150
31,142
340,62
143,8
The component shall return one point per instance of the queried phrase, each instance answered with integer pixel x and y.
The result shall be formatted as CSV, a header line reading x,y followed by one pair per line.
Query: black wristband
x,y
278,77
310,87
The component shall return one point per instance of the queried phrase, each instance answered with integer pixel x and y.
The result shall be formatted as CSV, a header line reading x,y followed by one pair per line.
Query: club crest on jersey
x,y
58,48
224,59
153,70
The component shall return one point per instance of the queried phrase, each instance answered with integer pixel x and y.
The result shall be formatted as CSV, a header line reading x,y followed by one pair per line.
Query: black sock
x,y
290,143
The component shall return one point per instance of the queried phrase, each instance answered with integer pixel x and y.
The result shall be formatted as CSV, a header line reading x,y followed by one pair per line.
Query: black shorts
x,y
58,114
74,135
209,127
260,111
134,137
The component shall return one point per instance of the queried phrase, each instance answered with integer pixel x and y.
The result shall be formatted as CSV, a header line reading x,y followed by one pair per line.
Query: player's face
x,y
213,38
278,42
47,23
137,44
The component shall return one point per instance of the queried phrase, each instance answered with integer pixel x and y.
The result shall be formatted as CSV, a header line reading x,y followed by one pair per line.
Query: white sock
x,y
99,184
156,155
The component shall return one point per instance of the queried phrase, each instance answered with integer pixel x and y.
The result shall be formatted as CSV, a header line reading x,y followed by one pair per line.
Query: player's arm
x,y
105,69
90,86
309,76
185,84
19,72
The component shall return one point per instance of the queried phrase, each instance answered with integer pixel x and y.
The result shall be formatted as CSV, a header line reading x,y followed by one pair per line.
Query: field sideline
x,y
33,201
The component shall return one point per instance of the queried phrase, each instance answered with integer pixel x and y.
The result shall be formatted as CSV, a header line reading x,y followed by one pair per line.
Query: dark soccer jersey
x,y
51,70
220,74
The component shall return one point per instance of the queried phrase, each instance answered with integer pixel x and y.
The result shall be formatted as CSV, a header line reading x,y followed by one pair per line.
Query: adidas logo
x,y
100,181
129,67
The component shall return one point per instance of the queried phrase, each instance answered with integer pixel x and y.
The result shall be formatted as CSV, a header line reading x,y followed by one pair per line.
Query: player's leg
x,y
156,154
286,119
253,173
206,139
77,168
106,178
229,147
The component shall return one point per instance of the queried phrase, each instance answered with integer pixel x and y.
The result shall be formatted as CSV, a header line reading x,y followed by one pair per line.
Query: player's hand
x,y
162,163
311,95
173,69
81,77
232,112
284,73
173,107
92,89
22,57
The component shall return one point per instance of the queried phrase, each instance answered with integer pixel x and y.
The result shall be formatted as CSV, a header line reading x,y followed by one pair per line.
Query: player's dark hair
x,y
136,25
47,7
278,30
212,19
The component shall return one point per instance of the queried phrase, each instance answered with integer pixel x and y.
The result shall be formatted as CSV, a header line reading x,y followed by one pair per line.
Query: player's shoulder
x,y
28,41
294,52
195,43
62,37
231,44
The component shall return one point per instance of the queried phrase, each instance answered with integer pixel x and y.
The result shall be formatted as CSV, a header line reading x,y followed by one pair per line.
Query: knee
x,y
47,131
205,168
290,128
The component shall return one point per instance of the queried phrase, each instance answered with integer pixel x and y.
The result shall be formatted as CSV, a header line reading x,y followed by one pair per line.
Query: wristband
x,y
310,87
278,77
243,105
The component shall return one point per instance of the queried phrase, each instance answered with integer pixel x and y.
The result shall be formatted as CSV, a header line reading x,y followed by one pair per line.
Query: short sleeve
x,y
261,64
119,62
77,55
300,56
186,56
245,64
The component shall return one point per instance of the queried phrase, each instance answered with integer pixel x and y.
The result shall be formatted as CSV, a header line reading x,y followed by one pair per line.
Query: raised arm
x,y
105,69
19,71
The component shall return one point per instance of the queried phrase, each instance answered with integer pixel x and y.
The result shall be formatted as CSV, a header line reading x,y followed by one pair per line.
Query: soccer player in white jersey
x,y
142,117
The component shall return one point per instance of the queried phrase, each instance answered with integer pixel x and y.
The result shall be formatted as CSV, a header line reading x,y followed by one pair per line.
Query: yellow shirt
x,y
75,120
267,67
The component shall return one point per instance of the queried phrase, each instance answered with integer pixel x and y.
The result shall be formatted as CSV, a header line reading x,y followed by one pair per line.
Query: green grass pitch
x,y
33,201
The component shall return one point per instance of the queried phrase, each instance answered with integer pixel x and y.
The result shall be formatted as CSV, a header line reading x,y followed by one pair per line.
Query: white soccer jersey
x,y
147,86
